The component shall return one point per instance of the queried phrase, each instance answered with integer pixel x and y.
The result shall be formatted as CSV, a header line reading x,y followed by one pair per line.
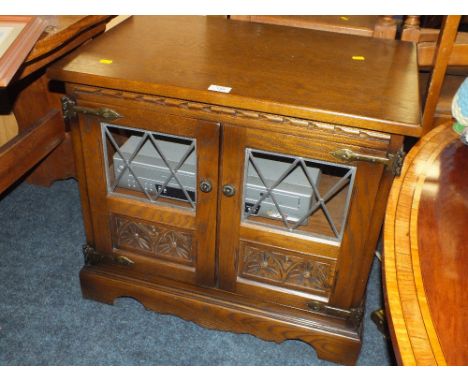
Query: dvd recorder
x,y
294,194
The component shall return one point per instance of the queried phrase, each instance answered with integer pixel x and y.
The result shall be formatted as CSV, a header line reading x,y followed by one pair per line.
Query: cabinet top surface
x,y
358,81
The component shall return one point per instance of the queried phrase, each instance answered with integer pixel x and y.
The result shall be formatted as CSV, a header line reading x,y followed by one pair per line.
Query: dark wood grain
x,y
263,66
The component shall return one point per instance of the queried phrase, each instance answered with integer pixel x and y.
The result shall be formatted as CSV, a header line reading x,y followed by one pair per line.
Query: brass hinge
x,y
123,260
353,315
93,257
70,109
378,316
393,161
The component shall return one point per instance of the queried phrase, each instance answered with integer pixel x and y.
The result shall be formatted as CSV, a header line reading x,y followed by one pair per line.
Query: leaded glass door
x,y
152,179
288,207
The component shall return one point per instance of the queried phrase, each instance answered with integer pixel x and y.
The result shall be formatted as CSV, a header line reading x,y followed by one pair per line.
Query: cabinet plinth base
x,y
333,341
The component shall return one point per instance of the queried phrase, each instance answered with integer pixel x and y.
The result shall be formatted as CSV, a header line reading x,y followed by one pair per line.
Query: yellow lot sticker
x,y
358,58
344,18
105,61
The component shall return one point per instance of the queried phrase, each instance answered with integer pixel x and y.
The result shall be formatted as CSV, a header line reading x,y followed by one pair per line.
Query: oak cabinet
x,y
249,217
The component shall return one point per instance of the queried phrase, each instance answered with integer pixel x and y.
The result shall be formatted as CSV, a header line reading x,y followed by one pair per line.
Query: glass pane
x,y
297,194
158,168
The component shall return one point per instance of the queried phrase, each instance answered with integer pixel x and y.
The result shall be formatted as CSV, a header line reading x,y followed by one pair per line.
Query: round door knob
x,y
205,186
229,190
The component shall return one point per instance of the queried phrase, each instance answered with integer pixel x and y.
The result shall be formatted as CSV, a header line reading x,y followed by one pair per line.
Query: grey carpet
x,y
45,321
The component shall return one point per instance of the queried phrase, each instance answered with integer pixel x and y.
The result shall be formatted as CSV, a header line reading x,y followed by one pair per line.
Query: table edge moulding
x,y
424,253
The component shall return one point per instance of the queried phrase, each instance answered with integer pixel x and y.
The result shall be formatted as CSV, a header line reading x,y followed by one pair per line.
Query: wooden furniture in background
x,y
206,260
426,39
19,34
425,247
371,26
32,99
62,35
443,52
8,128
16,44
437,51
25,150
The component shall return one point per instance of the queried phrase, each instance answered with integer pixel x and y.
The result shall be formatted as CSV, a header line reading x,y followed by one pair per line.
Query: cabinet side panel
x,y
376,223
93,155
81,175
353,254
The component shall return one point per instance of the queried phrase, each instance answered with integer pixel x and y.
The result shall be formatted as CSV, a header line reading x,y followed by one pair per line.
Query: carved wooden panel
x,y
156,240
285,269
240,114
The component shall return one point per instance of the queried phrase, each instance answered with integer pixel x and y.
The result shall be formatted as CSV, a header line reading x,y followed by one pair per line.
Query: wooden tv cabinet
x,y
254,209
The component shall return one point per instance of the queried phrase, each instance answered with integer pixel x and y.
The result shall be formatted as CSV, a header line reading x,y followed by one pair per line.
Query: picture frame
x,y
18,35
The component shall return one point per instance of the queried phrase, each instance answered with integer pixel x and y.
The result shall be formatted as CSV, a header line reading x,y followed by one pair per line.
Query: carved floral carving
x,y
175,244
285,269
157,240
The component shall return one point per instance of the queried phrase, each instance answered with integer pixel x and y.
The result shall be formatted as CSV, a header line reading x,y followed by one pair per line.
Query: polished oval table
x,y
426,253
